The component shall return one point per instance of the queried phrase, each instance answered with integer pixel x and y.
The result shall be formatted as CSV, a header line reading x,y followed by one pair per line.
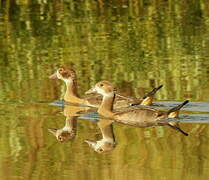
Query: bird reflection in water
x,y
68,132
71,112
107,143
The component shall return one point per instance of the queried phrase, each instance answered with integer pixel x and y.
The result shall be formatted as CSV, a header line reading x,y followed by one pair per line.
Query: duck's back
x,y
118,103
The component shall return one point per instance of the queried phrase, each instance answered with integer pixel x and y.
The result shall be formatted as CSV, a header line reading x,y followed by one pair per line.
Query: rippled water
x,y
137,45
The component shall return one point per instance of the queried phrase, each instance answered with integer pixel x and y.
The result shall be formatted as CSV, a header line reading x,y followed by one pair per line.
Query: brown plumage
x,y
68,75
138,117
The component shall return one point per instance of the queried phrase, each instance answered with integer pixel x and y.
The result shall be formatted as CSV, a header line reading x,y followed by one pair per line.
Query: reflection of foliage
x,y
142,42
132,43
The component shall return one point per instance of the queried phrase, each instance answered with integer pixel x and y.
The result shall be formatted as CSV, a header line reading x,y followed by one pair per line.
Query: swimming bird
x,y
68,75
138,117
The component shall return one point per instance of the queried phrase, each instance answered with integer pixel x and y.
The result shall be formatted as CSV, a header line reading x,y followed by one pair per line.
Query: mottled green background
x,y
137,44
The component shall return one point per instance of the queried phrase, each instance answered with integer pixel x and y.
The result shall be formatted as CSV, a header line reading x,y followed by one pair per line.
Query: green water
x,y
135,44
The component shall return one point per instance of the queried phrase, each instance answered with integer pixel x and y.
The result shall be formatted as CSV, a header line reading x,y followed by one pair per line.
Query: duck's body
x,y
68,75
139,117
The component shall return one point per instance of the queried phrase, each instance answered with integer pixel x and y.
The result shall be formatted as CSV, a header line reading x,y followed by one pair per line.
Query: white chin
x,y
108,94
103,93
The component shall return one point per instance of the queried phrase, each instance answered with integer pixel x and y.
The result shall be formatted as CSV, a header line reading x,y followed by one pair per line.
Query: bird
x,y
134,116
68,75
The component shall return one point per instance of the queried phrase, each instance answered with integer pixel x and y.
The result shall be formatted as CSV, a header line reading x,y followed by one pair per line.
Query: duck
x,y
107,143
134,116
68,75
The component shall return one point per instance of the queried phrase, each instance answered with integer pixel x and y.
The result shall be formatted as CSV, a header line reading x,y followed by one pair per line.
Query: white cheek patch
x,y
59,76
98,90
102,92
109,94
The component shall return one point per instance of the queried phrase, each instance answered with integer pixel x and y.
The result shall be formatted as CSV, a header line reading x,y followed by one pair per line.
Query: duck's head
x,y
67,74
63,135
101,146
105,88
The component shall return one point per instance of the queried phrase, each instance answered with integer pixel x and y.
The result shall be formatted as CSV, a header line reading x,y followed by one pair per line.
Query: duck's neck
x,y
71,94
70,123
106,108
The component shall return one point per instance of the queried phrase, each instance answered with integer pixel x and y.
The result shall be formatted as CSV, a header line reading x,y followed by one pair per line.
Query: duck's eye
x,y
101,85
61,70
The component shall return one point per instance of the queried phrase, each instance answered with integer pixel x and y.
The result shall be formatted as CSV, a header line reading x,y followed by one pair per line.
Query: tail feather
x,y
147,96
151,93
177,107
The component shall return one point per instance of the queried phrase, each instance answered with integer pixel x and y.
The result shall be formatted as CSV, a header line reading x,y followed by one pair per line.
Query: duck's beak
x,y
90,143
53,131
53,76
91,91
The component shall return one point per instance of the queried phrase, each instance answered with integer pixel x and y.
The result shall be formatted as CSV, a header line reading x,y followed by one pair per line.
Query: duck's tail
x,y
146,99
172,113
151,93
177,108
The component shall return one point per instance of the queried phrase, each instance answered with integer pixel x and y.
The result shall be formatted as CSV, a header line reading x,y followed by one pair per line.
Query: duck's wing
x,y
146,99
139,117
119,102
122,101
